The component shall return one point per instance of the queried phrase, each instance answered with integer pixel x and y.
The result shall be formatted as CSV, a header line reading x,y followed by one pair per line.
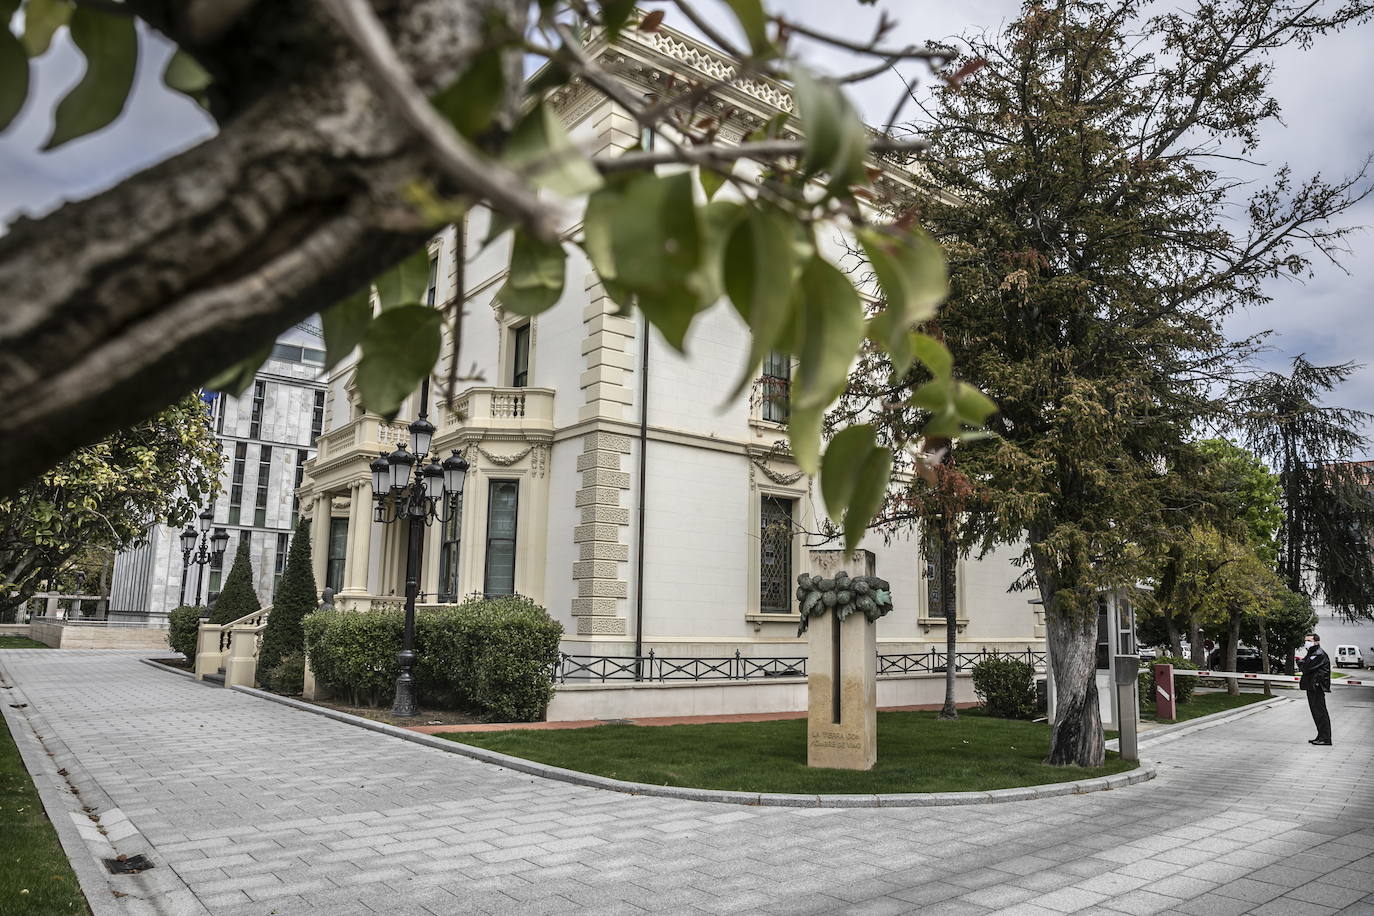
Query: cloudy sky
x,y
1328,127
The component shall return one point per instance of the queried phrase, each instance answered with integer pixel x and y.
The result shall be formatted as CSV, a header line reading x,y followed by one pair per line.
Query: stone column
x,y
842,686
359,538
319,538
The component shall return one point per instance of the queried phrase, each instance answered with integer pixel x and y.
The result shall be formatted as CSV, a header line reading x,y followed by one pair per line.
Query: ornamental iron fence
x,y
738,667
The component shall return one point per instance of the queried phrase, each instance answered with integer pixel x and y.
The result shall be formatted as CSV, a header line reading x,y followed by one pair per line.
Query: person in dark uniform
x,y
1316,680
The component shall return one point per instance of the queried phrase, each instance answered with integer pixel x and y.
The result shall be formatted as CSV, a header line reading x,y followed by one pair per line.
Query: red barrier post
x,y
1164,692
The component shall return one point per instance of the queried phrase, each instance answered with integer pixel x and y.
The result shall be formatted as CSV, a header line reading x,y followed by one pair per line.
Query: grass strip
x,y
917,752
20,642
35,875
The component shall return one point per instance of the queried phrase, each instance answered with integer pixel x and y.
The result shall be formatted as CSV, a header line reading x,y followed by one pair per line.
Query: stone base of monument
x,y
842,680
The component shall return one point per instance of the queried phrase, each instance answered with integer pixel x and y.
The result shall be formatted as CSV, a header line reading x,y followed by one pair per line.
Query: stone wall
x,y
78,637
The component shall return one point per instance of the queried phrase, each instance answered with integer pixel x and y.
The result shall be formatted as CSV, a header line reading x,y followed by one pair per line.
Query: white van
x,y
1349,657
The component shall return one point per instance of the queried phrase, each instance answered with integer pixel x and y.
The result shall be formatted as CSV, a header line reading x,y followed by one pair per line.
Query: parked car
x,y
1348,657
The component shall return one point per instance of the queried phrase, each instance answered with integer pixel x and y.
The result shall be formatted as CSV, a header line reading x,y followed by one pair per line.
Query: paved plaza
x,y
263,809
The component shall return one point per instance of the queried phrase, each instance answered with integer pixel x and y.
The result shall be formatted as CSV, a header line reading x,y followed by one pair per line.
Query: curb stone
x,y
158,892
1145,771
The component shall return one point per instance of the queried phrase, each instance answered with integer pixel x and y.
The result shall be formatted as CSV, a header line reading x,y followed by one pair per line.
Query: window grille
x,y
777,387
775,555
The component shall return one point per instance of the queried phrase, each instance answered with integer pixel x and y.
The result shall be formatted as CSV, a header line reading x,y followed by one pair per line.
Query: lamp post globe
x,y
455,474
207,518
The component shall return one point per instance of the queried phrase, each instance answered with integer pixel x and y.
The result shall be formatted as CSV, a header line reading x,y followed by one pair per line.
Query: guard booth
x,y
1115,637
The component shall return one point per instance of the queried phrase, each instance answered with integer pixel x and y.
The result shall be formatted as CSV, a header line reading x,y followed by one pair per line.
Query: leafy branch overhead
x,y
671,227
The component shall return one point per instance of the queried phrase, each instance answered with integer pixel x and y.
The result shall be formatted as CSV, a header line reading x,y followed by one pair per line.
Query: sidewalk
x,y
257,808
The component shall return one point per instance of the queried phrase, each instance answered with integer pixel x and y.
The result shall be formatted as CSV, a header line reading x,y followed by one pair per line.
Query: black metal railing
x,y
738,667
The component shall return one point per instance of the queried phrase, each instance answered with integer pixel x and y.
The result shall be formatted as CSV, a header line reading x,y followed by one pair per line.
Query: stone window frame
x,y
804,518
505,361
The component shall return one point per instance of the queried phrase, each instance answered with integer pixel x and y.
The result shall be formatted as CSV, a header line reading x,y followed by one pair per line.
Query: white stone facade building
x,y
612,480
266,435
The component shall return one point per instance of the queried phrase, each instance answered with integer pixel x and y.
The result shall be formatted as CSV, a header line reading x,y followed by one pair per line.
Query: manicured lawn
x,y
1204,704
35,876
916,753
19,642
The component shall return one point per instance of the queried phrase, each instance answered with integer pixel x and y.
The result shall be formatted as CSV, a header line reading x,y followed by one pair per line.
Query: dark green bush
x,y
237,598
1183,683
295,598
1005,687
288,677
493,657
354,654
183,629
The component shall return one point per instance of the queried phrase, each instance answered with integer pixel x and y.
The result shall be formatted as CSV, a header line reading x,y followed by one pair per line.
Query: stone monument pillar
x,y
842,676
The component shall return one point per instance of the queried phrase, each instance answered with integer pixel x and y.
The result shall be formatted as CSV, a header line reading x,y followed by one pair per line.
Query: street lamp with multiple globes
x,y
211,549
419,499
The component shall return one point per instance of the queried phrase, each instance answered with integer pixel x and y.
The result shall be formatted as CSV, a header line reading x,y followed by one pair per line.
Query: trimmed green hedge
x,y
183,629
1005,687
1183,684
491,656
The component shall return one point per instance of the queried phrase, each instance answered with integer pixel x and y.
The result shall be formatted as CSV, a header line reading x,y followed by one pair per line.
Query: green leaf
x,y
535,281
110,44
934,395
804,436
933,354
236,379
14,77
400,348
614,15
833,135
41,19
712,181
870,487
973,406
344,325
759,277
472,101
832,329
910,267
652,229
406,283
184,74
754,21
540,146
844,460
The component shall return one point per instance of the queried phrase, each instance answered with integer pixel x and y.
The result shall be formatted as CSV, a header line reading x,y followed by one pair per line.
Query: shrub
x,y
183,631
288,676
1005,687
294,599
1183,684
237,599
355,654
491,656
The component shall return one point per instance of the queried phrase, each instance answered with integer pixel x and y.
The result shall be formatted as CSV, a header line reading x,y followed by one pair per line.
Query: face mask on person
x,y
1308,644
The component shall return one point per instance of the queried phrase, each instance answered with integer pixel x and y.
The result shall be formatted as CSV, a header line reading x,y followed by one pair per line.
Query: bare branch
x,y
722,155
928,53
498,185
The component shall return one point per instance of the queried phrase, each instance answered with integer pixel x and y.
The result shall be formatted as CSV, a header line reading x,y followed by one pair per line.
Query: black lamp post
x,y
419,499
210,549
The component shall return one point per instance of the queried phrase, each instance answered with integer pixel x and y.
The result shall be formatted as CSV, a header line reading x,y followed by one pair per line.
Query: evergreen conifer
x,y
237,599
294,599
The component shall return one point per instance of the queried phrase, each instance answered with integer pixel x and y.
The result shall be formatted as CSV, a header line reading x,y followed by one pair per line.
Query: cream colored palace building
x,y
611,479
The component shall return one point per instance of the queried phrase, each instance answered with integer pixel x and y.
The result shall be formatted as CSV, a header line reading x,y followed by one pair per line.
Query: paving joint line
x,y
1144,772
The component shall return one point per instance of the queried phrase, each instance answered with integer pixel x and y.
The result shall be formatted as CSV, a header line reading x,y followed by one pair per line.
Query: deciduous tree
x,y
104,497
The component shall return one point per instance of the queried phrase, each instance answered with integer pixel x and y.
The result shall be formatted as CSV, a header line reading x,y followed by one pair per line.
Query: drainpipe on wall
x,y
646,142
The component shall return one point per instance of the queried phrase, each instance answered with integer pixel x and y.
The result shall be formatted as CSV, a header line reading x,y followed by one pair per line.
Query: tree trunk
x,y
1175,637
1195,647
119,304
948,558
1232,642
1076,738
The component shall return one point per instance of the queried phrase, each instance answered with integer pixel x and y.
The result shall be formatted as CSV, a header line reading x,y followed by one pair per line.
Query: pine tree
x,y
294,599
237,599
1328,503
